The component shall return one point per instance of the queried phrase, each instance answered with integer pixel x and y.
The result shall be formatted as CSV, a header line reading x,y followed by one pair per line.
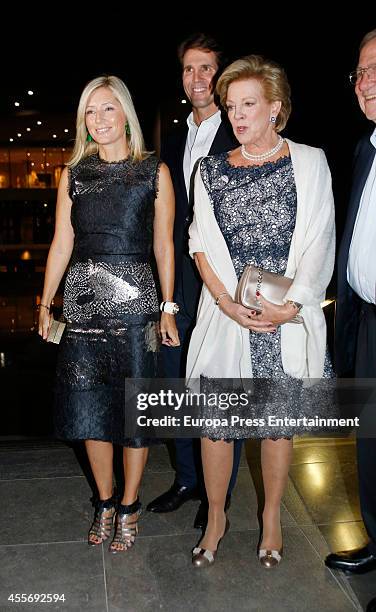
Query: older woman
x,y
269,203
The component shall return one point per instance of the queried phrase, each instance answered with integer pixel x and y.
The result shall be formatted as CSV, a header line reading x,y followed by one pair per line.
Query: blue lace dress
x,y
110,299
255,208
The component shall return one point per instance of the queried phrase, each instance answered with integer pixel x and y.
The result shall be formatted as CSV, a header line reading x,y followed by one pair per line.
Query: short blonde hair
x,y
270,75
82,147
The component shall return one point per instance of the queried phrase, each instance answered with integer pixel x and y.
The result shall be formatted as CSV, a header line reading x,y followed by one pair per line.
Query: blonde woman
x,y
115,206
269,203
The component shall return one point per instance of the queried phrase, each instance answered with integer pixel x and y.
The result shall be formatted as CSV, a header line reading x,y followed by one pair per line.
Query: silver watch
x,y
169,307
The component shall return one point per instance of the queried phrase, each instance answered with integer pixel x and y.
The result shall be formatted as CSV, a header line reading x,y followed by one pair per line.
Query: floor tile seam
x,y
147,471
58,477
339,522
296,525
32,448
4,450
139,537
313,524
339,579
296,490
319,462
342,583
39,478
324,442
294,520
105,579
24,544
194,532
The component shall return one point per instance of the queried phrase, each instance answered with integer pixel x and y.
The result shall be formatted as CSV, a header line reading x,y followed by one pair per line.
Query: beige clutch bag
x,y
56,331
272,286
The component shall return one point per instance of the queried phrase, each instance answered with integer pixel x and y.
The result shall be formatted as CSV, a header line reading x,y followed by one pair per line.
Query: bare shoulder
x,y
164,175
65,174
164,170
63,195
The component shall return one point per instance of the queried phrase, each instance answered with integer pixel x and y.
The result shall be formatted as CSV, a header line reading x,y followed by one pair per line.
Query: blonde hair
x,y
83,148
270,75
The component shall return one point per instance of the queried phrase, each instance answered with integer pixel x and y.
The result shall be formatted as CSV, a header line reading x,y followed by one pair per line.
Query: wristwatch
x,y
169,307
296,304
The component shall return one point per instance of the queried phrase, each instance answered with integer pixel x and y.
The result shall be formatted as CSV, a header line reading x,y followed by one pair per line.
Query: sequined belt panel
x,y
99,288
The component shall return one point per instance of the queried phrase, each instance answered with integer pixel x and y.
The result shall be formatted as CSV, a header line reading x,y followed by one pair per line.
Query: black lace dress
x,y
110,299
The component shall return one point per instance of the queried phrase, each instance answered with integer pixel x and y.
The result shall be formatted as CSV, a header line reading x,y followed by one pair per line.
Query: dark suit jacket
x,y
348,302
187,281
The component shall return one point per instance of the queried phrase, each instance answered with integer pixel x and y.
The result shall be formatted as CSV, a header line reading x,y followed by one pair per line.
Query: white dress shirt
x,y
361,265
199,140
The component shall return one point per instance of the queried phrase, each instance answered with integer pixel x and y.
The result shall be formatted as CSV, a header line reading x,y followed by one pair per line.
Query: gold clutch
x,y
272,286
56,331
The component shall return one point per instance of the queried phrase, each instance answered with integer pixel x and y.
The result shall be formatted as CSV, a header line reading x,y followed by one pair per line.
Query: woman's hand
x,y
45,319
274,313
244,316
169,332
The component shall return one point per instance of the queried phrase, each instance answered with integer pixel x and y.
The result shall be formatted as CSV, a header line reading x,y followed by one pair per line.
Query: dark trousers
x,y
188,450
365,367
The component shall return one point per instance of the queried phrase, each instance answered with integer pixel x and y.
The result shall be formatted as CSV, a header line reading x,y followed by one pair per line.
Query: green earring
x,y
127,129
89,138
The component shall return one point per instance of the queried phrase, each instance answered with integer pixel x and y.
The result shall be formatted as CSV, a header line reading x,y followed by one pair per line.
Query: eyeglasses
x,y
356,75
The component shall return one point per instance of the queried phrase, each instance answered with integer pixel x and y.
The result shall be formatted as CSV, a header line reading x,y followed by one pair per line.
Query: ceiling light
x,y
39,123
16,104
30,92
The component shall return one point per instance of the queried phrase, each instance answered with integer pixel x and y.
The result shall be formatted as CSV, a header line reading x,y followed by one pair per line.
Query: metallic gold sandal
x,y
125,532
103,521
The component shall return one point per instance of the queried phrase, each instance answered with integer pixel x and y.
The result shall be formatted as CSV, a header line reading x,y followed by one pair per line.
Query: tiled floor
x,y
46,513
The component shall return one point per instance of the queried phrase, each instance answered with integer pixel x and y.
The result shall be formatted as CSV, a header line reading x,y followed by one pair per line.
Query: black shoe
x,y
201,519
357,561
172,499
371,605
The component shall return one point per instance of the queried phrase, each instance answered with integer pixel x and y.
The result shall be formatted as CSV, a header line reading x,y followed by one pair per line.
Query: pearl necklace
x,y
270,153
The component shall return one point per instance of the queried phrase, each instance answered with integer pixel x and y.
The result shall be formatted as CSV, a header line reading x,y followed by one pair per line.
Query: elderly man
x,y
356,309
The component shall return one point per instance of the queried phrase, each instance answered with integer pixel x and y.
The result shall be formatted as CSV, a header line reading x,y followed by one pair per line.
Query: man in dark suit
x,y
206,132
356,309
